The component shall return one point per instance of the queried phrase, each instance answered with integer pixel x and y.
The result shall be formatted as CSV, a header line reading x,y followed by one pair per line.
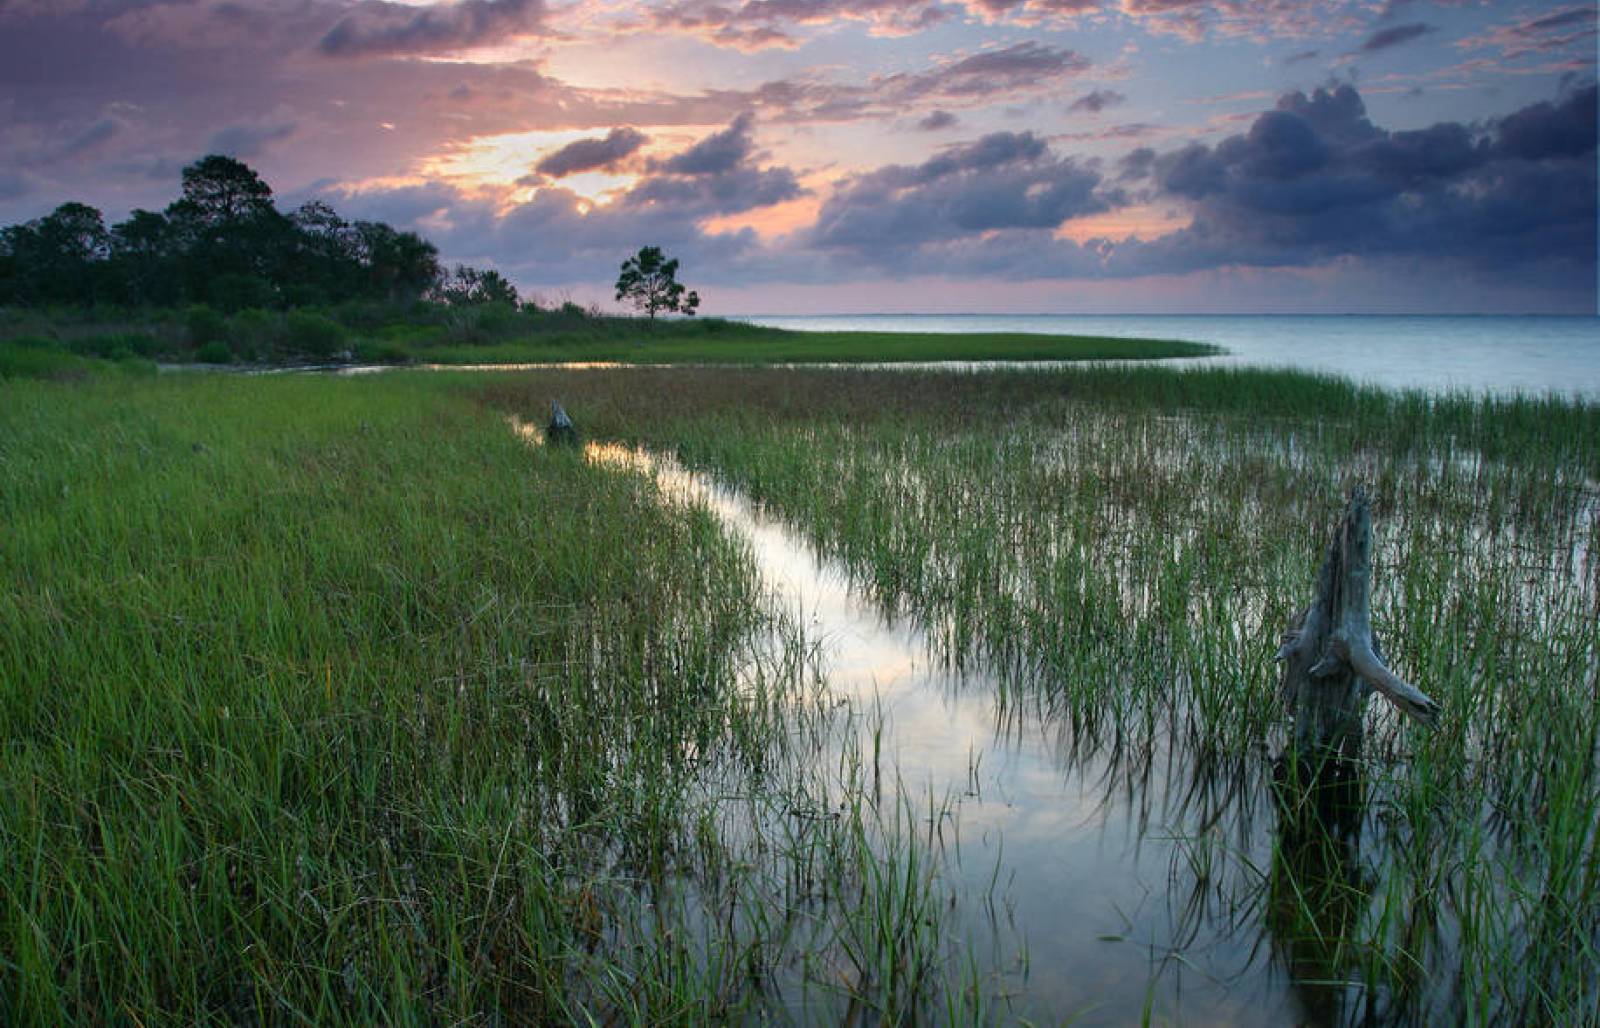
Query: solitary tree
x,y
650,282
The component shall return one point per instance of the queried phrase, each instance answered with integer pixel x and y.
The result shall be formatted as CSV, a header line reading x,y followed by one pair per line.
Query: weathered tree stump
x,y
561,431
1332,661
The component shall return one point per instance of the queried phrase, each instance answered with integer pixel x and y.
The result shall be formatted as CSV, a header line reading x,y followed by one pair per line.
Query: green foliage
x,y
649,281
236,292
466,286
223,242
556,337
203,325
1113,552
38,357
116,345
381,351
255,333
214,352
299,684
482,323
313,334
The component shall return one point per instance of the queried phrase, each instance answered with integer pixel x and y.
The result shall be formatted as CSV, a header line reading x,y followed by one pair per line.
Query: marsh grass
x,y
719,342
1120,549
328,701
331,701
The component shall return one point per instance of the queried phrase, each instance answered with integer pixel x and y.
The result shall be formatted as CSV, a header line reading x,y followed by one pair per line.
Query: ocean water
x,y
1510,354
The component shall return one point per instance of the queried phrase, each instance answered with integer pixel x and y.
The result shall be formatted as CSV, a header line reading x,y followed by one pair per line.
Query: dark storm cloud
x,y
1136,164
1003,182
592,154
1097,101
715,176
717,153
1315,179
1311,182
1386,39
380,27
731,192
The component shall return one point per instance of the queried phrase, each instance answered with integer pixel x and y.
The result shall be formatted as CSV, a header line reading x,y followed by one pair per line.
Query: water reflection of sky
x,y
1087,865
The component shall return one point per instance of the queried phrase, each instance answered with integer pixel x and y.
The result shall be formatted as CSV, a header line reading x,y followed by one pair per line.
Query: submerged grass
x,y
1122,548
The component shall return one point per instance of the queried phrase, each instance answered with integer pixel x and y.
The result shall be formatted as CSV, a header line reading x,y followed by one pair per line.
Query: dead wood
x,y
1332,661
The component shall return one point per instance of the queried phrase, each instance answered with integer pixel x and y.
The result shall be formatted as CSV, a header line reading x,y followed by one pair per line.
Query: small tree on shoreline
x,y
649,281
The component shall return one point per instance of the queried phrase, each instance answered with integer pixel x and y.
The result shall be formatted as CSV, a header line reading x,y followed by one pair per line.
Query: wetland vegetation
x,y
329,699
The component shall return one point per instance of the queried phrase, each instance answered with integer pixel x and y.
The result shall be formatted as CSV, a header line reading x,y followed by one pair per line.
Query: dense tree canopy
x,y
649,281
224,243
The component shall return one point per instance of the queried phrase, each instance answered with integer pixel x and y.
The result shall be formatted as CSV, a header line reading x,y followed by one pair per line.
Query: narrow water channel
x,y
1086,874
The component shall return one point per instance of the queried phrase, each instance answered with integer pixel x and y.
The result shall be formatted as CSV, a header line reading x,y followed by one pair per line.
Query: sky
x,y
813,156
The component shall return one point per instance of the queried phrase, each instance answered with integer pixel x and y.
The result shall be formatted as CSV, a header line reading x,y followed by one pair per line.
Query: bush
x,y
215,352
116,344
482,322
236,292
255,332
138,367
36,357
381,351
314,335
203,325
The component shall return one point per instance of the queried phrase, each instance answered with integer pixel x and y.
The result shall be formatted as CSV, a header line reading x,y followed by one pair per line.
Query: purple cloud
x,y
592,154
999,183
1562,29
1389,38
1096,101
717,153
381,27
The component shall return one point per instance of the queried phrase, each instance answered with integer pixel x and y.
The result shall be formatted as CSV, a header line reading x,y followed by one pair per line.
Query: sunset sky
x,y
885,155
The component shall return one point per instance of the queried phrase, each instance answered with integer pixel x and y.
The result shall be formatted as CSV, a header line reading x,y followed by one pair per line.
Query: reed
x,y
1121,548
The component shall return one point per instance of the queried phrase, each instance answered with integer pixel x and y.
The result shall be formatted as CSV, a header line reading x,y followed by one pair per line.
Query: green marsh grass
x,y
718,342
1120,549
329,701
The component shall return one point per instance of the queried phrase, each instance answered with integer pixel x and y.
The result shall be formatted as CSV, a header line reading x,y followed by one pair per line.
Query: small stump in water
x,y
561,431
1332,661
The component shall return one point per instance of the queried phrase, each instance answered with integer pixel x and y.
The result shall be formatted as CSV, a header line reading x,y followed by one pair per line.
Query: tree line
x,y
225,244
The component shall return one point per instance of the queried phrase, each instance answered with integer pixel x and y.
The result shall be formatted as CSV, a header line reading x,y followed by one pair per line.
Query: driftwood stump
x,y
561,431
1331,659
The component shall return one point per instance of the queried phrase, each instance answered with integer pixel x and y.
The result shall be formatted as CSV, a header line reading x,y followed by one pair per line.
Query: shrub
x,y
215,352
203,325
116,344
255,332
482,322
235,292
36,357
313,334
138,367
381,351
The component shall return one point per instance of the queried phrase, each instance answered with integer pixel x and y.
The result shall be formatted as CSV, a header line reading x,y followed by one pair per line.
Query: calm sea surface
x,y
1498,354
